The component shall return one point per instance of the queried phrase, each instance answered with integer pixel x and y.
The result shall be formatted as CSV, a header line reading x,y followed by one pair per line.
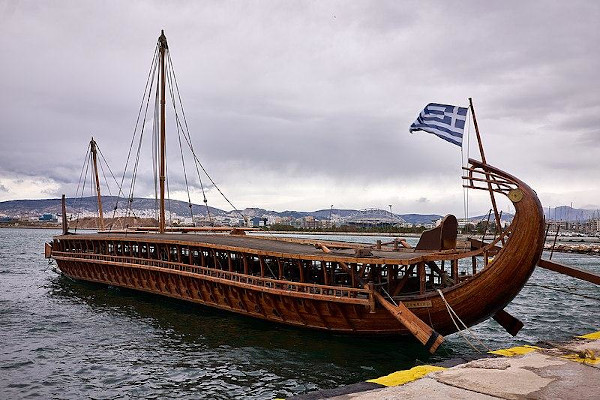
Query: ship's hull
x,y
218,274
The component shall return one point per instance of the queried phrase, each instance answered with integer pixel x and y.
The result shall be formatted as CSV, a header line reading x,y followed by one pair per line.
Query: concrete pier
x,y
549,371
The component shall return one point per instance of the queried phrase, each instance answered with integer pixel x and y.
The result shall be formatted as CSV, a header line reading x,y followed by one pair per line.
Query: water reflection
x,y
315,359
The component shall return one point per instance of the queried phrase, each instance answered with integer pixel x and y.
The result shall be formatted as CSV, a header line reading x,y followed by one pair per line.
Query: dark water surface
x,y
66,339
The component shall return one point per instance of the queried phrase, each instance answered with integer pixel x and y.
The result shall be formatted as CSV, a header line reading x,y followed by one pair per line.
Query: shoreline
x,y
566,244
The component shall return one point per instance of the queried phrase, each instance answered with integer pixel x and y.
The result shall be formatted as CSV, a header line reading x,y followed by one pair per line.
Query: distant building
x,y
256,222
374,217
48,218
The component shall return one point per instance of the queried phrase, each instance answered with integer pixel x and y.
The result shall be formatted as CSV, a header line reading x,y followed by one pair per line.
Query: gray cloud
x,y
281,96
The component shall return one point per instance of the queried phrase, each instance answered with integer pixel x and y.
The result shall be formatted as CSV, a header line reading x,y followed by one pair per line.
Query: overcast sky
x,y
306,104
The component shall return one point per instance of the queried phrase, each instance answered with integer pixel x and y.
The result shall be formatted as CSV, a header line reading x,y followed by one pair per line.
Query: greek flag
x,y
443,120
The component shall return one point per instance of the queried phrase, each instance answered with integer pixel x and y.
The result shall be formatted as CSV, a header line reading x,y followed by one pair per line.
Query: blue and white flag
x,y
443,120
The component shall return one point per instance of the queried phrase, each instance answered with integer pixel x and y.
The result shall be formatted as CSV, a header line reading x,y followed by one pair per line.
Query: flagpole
x,y
487,176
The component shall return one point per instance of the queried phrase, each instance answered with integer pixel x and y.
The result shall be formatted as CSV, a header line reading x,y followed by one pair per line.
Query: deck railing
x,y
261,282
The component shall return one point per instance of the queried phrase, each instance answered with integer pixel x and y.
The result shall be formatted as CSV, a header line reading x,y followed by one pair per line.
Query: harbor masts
x,y
95,162
489,184
162,47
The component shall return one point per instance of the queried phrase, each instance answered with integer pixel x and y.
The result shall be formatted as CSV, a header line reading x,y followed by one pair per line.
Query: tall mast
x,y
95,162
162,47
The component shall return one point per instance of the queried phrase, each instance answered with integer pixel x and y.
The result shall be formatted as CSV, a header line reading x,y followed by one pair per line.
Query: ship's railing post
x,y
371,288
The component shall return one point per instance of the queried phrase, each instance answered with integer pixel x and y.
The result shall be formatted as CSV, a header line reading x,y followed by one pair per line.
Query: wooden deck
x,y
304,248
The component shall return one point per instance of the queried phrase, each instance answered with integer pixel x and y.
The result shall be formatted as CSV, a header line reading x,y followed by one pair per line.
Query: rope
x,y
390,297
188,139
149,80
83,167
172,79
460,331
109,169
187,187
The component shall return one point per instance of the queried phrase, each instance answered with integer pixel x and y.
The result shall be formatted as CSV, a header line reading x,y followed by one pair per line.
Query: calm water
x,y
66,339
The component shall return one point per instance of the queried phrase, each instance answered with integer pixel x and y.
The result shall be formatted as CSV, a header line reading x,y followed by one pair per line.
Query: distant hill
x,y
32,208
505,217
15,208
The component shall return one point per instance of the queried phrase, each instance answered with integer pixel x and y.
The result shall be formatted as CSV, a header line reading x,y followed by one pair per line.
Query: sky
x,y
306,105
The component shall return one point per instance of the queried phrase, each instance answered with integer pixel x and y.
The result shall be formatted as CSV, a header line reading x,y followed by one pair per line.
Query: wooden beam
x,y
570,271
65,226
301,269
280,266
421,275
262,266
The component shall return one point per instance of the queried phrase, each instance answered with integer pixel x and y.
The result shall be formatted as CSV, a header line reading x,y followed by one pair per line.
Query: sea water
x,y
65,339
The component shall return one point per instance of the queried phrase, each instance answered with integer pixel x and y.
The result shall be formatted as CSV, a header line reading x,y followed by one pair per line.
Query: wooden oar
x,y
508,322
423,332
571,271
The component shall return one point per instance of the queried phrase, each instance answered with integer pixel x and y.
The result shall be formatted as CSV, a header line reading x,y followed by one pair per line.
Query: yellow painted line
x,y
515,351
402,377
593,335
588,359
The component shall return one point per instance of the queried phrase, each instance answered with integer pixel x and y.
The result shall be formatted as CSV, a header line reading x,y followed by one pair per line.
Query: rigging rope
x,y
179,126
188,139
460,331
187,187
109,169
83,167
182,130
149,80
155,147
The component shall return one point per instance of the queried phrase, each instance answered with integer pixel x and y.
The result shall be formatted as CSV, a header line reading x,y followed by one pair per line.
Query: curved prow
x,y
515,261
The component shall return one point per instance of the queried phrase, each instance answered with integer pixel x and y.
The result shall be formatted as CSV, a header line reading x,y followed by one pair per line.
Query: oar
x,y
423,332
508,322
573,272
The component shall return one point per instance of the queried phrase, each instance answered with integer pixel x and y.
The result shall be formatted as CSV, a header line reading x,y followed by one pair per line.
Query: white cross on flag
x,y
443,120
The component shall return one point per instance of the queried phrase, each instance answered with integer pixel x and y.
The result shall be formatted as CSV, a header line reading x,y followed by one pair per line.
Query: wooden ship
x,y
381,289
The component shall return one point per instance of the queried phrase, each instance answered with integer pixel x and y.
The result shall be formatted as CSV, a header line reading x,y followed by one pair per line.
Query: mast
x,y
65,225
94,159
162,47
496,215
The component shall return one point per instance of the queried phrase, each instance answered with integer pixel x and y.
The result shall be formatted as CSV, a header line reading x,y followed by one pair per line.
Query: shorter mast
x,y
65,224
95,162
489,184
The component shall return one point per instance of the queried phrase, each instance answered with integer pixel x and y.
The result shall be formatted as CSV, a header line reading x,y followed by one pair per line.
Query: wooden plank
x,y
570,271
280,266
423,332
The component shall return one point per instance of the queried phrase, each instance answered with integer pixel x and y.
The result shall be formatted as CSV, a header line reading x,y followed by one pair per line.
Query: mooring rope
x,y
460,331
